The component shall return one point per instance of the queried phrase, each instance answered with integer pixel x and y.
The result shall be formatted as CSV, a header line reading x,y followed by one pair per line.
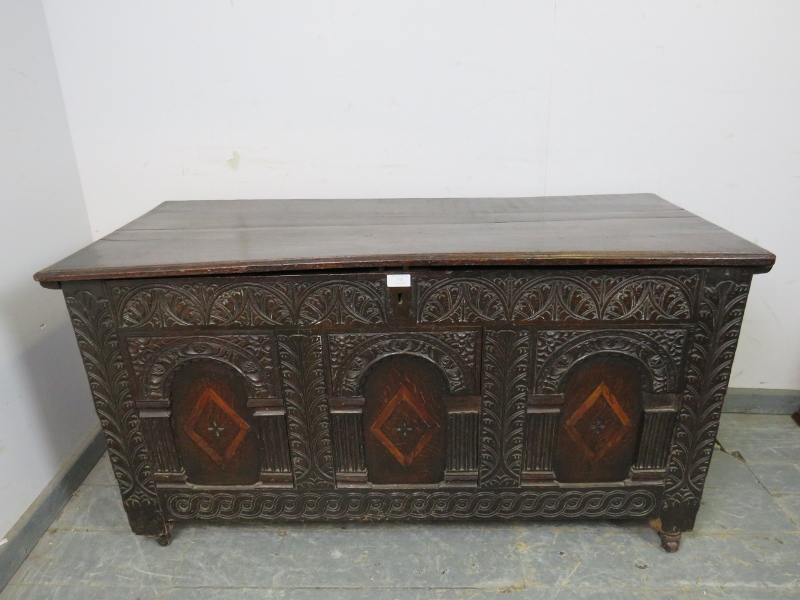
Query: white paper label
x,y
398,280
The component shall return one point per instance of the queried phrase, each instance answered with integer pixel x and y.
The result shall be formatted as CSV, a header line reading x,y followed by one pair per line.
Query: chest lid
x,y
215,237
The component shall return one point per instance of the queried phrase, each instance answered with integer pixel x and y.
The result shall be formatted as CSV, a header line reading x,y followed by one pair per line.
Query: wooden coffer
x,y
497,394
467,393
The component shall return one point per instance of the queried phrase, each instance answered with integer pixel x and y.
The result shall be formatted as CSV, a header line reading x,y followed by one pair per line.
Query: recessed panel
x,y
405,422
597,434
215,437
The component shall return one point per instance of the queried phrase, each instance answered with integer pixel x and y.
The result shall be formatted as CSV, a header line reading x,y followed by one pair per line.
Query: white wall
x,y
45,407
695,100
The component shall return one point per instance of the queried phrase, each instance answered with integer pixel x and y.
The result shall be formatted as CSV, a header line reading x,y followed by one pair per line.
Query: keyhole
x,y
400,297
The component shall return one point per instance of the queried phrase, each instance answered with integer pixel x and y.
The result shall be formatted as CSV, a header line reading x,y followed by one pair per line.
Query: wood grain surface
x,y
248,236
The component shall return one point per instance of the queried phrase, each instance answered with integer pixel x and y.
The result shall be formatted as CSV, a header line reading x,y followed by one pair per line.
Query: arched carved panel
x,y
155,358
214,432
600,420
452,352
405,421
660,351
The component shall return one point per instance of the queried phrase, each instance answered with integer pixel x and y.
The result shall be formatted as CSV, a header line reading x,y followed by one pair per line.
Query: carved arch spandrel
x,y
452,352
659,351
156,358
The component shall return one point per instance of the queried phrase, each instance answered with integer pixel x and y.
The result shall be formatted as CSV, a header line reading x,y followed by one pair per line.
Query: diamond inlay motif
x,y
404,427
599,423
216,427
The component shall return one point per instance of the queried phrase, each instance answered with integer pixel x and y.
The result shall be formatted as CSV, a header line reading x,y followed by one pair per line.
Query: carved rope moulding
x,y
526,299
251,304
410,505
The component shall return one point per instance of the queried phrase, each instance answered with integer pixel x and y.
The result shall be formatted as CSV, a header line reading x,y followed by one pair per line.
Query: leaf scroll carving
x,y
709,367
558,297
251,303
506,356
95,331
307,415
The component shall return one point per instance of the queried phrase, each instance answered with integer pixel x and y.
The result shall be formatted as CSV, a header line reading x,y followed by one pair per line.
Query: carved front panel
x,y
405,422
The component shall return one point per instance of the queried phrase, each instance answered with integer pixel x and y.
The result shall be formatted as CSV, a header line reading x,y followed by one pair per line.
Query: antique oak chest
x,y
516,358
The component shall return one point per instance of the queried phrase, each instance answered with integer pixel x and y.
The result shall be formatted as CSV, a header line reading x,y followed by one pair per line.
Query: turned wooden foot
x,y
164,540
670,541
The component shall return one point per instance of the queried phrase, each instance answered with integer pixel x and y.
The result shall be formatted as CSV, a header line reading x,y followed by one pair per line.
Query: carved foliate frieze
x,y
253,303
352,354
708,371
506,357
557,297
308,421
660,351
95,330
155,359
417,504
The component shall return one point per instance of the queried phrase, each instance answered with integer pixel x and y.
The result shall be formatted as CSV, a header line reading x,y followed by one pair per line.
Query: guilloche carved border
x,y
95,330
558,297
417,504
252,303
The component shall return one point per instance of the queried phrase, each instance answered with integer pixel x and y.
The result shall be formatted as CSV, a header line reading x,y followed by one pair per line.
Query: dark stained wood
x,y
596,439
550,358
217,442
247,236
405,422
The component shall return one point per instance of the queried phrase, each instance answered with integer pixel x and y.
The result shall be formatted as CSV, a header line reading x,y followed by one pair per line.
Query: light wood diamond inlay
x,y
599,423
216,427
404,427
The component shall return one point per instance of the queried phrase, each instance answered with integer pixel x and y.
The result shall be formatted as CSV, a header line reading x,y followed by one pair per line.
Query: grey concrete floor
x,y
746,545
